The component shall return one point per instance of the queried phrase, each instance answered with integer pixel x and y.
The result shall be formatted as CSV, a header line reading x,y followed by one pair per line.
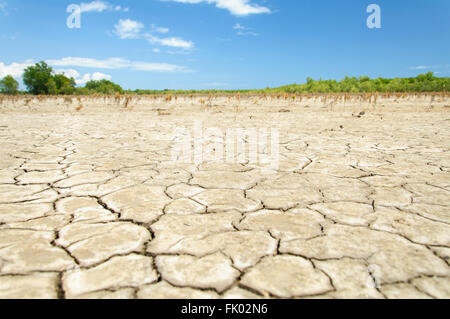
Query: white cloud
x,y
421,67
100,6
111,63
97,76
128,29
171,42
120,8
81,80
162,30
94,6
247,33
156,50
241,30
70,73
441,67
235,7
116,63
14,69
159,29
66,65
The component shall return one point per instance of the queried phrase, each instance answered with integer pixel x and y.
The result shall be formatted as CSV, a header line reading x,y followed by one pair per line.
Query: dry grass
x,y
127,101
163,112
324,101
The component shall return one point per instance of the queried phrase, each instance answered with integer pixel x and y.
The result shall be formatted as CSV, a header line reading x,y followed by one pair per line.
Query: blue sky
x,y
225,44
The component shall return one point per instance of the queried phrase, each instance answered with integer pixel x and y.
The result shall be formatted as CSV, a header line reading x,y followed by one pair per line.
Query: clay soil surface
x,y
92,205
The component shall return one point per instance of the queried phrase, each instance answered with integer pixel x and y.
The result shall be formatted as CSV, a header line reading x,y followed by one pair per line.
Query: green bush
x,y
103,87
8,85
64,85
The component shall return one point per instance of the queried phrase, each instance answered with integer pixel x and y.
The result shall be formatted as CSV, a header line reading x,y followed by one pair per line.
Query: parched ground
x,y
91,206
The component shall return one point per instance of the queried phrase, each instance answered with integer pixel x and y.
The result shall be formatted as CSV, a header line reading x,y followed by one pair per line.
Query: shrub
x,y
103,87
8,85
64,85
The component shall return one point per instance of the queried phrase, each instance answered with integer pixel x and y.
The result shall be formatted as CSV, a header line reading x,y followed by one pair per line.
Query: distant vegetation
x,y
41,80
103,87
422,83
8,85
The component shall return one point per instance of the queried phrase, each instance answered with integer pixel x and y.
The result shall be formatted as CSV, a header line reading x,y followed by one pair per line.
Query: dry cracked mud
x,y
91,206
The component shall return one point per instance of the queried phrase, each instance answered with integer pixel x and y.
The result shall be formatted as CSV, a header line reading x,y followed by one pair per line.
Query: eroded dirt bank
x,y
167,104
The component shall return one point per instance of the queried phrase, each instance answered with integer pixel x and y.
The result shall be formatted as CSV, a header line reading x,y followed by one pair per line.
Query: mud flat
x,y
92,204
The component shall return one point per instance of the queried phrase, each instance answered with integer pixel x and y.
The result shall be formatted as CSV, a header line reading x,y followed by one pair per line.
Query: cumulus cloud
x,y
70,73
171,42
14,69
116,63
235,7
94,6
66,65
100,6
81,80
97,76
128,29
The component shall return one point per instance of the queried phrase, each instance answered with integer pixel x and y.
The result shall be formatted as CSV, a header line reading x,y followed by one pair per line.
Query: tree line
x,y
40,79
421,83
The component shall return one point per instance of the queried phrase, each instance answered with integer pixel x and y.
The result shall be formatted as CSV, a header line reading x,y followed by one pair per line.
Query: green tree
x,y
51,87
104,87
9,85
64,85
37,78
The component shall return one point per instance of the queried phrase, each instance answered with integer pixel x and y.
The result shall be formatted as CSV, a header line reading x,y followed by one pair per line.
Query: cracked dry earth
x,y
91,206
